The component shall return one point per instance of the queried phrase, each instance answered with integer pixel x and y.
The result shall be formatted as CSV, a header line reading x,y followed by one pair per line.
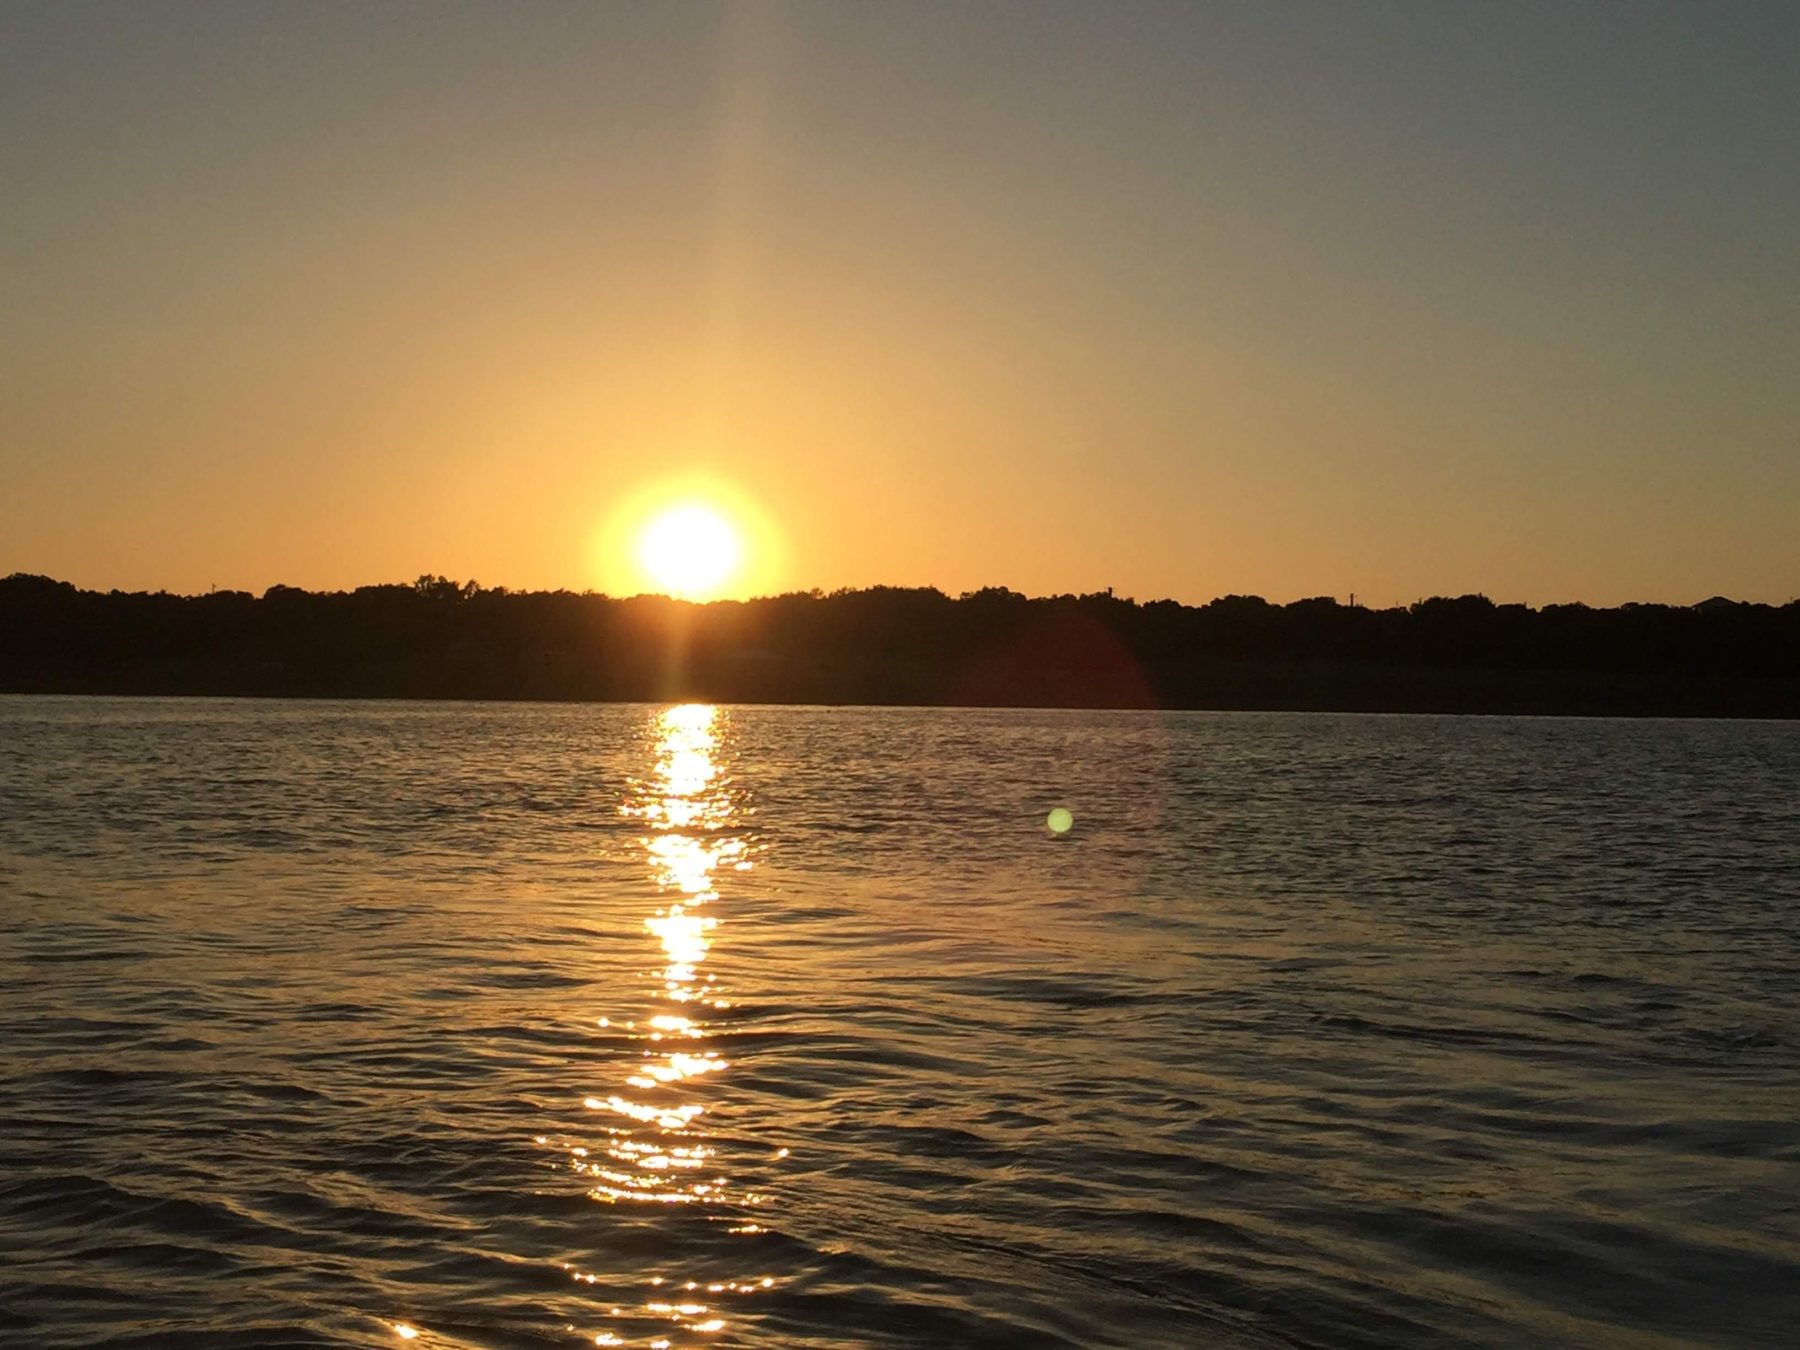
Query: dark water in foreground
x,y
539,1026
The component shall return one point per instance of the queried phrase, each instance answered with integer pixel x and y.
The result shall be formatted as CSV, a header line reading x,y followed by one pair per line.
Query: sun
x,y
690,551
698,537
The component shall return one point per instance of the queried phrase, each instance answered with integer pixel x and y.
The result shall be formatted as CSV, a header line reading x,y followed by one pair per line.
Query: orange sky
x,y
1179,300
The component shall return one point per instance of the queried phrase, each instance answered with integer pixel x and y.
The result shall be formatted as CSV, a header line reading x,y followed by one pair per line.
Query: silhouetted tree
x,y
437,637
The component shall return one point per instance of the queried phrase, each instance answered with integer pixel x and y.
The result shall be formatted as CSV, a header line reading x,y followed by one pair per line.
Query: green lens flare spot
x,y
1060,820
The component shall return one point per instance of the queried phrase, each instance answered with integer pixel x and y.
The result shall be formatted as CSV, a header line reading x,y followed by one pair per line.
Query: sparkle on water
x,y
654,1154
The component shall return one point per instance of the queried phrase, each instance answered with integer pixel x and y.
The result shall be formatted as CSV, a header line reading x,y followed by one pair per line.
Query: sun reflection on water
x,y
655,1153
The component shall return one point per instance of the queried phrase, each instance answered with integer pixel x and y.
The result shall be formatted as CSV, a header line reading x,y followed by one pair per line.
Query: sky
x,y
1292,299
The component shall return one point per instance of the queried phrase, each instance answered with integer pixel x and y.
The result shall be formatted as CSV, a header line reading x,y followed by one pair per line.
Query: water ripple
x,y
484,1026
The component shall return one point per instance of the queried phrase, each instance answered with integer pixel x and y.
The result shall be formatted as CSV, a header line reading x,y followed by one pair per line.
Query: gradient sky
x,y
1185,299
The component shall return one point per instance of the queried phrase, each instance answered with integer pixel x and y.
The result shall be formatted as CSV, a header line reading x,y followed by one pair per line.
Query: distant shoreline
x,y
888,647
1635,712
503,700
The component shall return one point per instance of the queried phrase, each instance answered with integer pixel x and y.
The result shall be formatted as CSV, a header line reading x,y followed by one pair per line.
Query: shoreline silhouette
x,y
437,638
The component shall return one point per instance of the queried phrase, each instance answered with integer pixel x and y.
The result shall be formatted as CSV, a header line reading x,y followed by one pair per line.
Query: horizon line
x,y
472,587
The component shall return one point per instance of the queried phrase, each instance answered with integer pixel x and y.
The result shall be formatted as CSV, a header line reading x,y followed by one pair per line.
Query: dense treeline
x,y
437,638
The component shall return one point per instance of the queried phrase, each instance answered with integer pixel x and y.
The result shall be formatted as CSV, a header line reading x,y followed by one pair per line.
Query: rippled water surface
x,y
477,1025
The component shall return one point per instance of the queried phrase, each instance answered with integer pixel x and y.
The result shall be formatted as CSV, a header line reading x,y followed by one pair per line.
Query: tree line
x,y
439,638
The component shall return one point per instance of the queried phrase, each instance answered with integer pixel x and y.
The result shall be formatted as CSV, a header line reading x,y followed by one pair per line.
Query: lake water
x,y
333,1024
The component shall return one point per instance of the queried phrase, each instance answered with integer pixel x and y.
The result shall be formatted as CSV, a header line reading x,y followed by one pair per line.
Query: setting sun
x,y
690,551
694,536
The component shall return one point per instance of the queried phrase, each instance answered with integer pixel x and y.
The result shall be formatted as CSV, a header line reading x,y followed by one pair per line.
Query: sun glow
x,y
698,536
691,551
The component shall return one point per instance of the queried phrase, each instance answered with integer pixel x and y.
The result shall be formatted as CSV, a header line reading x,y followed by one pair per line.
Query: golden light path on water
x,y
656,1151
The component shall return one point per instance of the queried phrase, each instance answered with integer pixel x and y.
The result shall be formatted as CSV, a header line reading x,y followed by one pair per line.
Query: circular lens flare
x,y
690,551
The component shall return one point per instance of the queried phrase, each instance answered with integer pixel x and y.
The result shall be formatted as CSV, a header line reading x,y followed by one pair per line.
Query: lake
x,y
500,1025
